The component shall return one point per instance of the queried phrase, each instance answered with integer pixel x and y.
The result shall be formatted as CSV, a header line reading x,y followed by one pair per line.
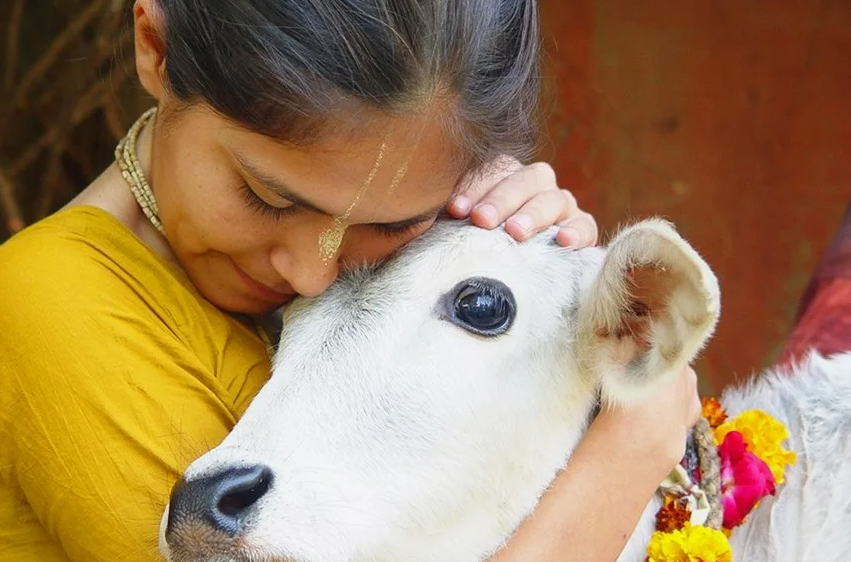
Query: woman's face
x,y
245,215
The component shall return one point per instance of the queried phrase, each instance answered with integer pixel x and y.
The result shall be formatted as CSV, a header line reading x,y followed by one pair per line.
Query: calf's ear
x,y
650,309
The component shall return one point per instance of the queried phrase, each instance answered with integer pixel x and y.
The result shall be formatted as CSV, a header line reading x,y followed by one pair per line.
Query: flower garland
x,y
752,464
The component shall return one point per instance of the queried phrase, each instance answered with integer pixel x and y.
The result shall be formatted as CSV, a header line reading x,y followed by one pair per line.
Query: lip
x,y
263,291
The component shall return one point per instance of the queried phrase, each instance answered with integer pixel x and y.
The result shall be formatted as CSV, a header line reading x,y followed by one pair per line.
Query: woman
x,y
291,140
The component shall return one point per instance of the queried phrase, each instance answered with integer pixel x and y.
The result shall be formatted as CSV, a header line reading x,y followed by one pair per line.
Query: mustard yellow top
x,y
114,375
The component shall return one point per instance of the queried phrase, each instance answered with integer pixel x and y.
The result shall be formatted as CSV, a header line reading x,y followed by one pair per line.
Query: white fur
x,y
396,435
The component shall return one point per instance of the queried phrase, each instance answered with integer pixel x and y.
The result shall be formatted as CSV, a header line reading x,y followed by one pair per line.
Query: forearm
x,y
591,509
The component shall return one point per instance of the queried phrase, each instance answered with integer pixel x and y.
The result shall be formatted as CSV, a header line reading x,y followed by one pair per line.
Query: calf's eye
x,y
483,306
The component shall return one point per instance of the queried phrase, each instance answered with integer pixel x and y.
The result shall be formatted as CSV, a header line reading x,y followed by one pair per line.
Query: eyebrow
x,y
280,188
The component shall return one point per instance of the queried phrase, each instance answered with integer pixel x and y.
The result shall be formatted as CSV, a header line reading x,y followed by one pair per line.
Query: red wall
x,y
733,119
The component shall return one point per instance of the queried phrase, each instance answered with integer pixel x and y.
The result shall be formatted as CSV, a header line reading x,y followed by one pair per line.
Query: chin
x,y
253,308
225,291
243,304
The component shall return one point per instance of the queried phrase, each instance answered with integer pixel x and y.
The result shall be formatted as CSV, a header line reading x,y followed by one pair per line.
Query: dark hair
x,y
283,67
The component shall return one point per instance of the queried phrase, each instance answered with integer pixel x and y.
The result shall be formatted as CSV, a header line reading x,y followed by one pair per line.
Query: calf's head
x,y
419,409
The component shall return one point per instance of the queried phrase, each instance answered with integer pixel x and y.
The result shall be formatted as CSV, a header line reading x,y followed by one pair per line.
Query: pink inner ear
x,y
650,287
636,325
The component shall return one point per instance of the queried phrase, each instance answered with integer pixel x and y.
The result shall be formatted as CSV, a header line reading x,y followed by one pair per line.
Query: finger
x,y
695,407
697,412
509,195
578,231
476,185
542,211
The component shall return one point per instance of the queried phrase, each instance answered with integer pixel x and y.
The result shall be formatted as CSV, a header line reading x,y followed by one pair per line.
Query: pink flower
x,y
745,479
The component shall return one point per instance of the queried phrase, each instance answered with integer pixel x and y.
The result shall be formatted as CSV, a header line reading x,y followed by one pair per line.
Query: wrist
x,y
632,446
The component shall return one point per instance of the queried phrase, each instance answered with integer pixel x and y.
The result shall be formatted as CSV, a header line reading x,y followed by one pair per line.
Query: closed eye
x,y
257,204
389,230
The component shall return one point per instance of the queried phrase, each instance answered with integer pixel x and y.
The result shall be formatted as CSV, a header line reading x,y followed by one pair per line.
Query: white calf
x,y
417,411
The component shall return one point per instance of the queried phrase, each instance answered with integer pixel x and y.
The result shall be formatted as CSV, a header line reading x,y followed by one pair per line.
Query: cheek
x,y
200,201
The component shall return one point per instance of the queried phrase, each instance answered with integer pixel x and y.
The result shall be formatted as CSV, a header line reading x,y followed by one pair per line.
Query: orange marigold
x,y
713,412
673,515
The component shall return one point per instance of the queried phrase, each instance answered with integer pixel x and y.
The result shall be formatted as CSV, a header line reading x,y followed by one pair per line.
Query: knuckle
x,y
500,169
548,203
490,192
590,218
584,222
570,199
543,172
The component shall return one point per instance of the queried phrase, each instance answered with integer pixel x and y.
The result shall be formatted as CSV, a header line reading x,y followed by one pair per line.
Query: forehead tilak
x,y
331,238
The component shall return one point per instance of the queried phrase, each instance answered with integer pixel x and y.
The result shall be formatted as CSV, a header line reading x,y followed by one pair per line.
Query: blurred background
x,y
732,119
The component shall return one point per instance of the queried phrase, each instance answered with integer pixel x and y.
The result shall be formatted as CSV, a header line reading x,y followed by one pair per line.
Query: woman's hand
x,y
527,199
591,509
655,430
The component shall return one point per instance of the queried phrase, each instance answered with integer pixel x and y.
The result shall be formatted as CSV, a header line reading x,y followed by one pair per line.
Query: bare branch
x,y
13,42
85,106
9,204
55,50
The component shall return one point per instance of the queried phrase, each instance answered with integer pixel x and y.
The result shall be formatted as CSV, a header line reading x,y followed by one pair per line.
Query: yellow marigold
x,y
692,543
713,412
763,436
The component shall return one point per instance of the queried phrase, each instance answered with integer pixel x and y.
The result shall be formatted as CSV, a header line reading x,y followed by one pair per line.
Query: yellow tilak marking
x,y
400,174
331,238
403,169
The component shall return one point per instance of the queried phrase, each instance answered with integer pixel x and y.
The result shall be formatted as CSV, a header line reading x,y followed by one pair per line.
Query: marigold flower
x,y
673,515
690,544
713,412
763,436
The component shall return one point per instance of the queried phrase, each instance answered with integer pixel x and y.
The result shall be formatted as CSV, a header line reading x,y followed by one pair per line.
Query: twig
x,y
13,44
55,49
113,118
14,220
49,182
111,27
87,104
95,54
48,96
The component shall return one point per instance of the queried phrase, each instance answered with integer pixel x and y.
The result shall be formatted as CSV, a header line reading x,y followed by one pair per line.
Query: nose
x,y
304,266
222,500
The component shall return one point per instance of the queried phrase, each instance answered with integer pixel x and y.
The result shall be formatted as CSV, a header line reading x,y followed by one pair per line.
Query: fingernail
x,y
486,211
573,236
461,203
523,222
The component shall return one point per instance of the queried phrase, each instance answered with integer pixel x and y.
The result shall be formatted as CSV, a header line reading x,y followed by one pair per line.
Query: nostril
x,y
241,491
222,500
